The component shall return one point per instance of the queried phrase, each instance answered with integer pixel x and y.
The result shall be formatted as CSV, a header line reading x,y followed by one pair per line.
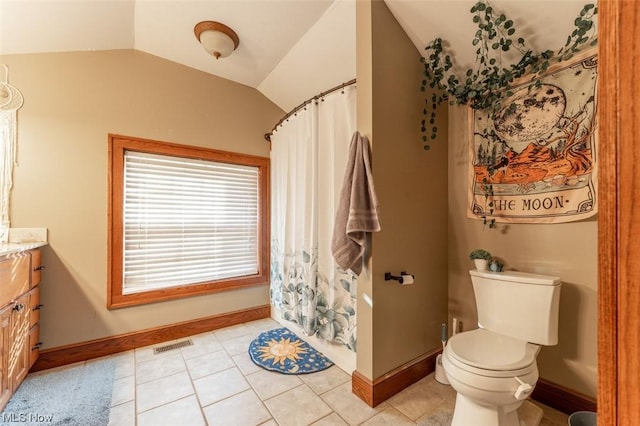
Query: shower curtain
x,y
308,161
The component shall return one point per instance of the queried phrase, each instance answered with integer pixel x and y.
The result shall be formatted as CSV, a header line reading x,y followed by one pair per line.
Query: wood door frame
x,y
618,188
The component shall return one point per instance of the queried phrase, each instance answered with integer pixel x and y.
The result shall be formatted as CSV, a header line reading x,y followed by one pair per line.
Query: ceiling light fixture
x,y
216,38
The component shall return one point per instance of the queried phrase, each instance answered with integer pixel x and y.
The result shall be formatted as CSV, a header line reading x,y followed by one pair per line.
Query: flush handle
x,y
523,391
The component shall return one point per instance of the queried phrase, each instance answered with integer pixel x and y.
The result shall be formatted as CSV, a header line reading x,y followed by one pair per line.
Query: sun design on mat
x,y
281,350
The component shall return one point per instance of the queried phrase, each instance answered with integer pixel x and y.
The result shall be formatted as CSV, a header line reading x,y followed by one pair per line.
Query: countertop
x,y
11,248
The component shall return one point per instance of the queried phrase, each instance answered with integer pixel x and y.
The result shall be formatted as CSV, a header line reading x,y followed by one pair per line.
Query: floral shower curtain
x,y
308,161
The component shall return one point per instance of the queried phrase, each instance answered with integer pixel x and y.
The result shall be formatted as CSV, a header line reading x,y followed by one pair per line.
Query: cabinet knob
x,y
36,346
38,307
18,307
39,268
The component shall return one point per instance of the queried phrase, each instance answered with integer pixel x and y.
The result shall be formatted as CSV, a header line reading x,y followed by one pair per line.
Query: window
x,y
184,221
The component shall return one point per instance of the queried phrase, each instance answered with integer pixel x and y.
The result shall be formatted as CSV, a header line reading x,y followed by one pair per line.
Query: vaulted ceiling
x,y
289,50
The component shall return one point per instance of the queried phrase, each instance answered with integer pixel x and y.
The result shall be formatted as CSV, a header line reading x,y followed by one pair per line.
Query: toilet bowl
x,y
492,375
493,368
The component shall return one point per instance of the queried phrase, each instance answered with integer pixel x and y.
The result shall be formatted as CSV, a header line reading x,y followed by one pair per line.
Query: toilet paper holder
x,y
400,278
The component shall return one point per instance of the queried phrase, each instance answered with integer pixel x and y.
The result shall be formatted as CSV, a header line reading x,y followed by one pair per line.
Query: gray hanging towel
x,y
357,211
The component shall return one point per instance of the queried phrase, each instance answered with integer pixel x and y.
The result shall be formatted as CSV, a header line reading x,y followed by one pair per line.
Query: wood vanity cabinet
x,y
19,317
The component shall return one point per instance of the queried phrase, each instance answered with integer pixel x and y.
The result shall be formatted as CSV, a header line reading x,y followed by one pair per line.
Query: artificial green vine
x,y
487,85
487,188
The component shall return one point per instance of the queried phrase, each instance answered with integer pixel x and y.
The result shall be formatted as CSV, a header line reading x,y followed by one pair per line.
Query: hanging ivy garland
x,y
490,82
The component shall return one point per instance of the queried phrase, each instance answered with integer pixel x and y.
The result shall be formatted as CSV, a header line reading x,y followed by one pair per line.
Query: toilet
x,y
493,368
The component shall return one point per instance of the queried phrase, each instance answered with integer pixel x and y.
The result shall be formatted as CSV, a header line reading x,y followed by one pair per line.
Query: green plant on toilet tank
x,y
485,86
481,258
480,254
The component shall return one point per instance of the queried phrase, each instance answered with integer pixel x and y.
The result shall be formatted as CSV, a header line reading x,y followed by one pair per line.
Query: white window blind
x,y
187,221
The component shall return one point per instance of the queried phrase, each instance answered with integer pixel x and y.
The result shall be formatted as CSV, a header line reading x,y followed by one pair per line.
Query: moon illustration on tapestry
x,y
534,160
534,113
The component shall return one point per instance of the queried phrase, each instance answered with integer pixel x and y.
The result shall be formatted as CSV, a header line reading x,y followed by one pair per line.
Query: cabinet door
x,y
19,337
14,276
34,344
34,306
36,267
5,347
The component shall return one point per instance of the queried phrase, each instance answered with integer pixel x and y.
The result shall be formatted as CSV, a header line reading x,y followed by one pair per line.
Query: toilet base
x,y
468,412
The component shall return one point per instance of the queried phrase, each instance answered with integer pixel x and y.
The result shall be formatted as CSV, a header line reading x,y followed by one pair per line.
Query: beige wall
x,y
364,123
404,322
72,101
565,250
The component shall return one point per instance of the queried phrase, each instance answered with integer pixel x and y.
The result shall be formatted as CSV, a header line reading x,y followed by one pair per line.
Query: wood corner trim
x,y
84,351
384,387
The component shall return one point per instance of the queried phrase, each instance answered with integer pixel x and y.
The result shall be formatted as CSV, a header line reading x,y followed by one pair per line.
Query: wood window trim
x,y
118,144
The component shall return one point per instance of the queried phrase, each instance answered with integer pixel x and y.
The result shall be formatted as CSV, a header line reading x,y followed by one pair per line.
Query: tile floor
x,y
214,382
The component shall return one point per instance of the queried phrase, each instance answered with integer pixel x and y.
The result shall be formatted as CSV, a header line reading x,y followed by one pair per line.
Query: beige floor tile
x,y
529,413
210,363
261,325
268,384
419,399
299,406
123,414
217,386
245,363
185,411
325,380
436,418
551,416
231,332
350,407
238,345
217,373
125,364
161,391
390,416
243,409
331,420
431,385
124,390
202,344
161,367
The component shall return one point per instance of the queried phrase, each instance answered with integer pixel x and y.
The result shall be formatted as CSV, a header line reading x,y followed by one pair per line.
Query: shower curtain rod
x,y
267,136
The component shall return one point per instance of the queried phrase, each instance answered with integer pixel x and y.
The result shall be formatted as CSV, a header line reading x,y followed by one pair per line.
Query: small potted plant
x,y
481,258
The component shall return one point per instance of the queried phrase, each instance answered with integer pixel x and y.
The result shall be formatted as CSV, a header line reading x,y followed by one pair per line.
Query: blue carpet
x,y
75,396
282,351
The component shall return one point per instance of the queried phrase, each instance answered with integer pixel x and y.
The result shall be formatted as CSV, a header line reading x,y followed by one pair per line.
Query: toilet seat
x,y
490,354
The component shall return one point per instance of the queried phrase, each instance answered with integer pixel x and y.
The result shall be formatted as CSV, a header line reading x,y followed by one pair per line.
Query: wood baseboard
x,y
562,399
76,352
384,387
379,390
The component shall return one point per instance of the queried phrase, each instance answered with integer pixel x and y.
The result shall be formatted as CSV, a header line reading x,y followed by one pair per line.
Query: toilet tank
x,y
518,304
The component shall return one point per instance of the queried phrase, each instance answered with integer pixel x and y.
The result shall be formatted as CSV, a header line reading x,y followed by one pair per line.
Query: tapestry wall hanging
x,y
535,160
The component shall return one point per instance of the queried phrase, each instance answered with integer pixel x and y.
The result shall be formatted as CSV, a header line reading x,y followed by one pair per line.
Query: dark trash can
x,y
583,418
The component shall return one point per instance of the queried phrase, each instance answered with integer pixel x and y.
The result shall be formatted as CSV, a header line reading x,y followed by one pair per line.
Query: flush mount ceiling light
x,y
216,38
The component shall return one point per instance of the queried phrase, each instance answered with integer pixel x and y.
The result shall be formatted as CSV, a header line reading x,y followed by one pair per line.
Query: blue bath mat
x,y
282,351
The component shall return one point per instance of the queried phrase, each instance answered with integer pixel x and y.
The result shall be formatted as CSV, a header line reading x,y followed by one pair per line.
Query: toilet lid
x,y
491,351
